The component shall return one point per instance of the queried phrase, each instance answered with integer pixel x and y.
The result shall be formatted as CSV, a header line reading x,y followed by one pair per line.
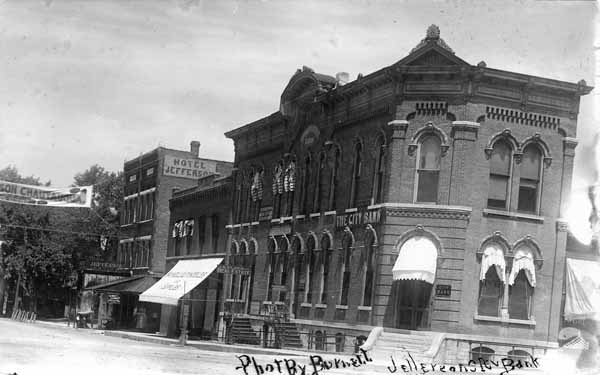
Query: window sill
x,y
498,319
512,215
316,214
350,210
341,307
267,303
300,217
329,213
305,304
233,300
364,308
320,306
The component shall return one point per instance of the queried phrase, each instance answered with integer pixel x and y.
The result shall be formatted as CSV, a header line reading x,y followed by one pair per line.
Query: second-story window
x,y
500,170
356,172
428,171
215,233
529,183
334,178
379,171
319,185
306,185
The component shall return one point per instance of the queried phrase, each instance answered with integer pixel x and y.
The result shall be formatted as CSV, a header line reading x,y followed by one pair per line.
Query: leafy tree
x,y
43,246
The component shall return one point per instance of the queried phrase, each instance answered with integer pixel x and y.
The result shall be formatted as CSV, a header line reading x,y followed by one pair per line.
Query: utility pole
x,y
16,303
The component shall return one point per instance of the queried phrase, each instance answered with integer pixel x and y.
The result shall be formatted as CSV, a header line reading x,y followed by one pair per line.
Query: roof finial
x,y
433,32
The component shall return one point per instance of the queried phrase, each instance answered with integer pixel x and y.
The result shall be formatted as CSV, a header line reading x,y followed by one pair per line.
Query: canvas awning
x,y
181,279
583,290
133,285
417,260
493,256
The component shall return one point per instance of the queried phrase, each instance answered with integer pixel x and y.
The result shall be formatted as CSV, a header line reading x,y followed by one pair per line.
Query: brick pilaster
x,y
395,159
464,135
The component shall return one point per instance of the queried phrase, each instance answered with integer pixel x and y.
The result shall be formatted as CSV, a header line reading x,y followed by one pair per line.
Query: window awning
x,y
417,260
523,260
493,256
181,279
583,290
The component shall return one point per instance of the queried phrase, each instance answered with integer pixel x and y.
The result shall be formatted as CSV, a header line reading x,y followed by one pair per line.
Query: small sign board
x,y
266,213
228,269
360,217
114,299
443,290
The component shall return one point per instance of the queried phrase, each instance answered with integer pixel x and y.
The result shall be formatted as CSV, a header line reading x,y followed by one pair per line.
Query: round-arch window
x,y
482,352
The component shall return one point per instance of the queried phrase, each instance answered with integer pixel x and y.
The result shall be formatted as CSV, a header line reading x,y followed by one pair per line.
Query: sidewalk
x,y
157,339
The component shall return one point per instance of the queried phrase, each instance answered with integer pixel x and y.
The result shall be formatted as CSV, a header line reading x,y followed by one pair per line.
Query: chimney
x,y
342,78
195,148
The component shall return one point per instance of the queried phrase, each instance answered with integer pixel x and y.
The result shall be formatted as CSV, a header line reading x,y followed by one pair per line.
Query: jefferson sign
x,y
188,168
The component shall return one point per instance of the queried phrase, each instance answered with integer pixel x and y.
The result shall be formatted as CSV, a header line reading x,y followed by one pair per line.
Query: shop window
x,y
339,342
428,171
500,171
319,340
132,178
529,184
356,172
490,294
482,352
518,354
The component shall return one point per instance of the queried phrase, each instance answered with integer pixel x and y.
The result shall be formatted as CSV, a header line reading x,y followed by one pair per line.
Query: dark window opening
x,y
490,294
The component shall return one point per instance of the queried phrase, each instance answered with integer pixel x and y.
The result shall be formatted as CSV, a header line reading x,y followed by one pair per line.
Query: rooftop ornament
x,y
433,36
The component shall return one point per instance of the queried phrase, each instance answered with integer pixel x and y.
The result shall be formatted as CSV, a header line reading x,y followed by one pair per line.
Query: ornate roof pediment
x,y
432,51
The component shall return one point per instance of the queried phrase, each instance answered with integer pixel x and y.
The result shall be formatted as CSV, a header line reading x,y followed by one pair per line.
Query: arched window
x,y
500,170
283,265
289,187
310,268
277,189
256,193
339,342
334,178
356,172
428,172
270,265
319,184
518,354
521,282
319,340
529,184
379,171
369,261
482,352
491,281
346,266
325,247
306,184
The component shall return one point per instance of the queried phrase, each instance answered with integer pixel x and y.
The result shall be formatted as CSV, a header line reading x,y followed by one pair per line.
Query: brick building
x,y
150,180
424,196
197,231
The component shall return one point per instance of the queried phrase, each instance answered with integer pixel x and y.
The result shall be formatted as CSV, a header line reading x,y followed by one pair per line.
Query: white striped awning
x,y
417,260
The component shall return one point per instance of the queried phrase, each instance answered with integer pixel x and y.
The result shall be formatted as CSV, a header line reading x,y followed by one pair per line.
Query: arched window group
x,y
506,287
517,165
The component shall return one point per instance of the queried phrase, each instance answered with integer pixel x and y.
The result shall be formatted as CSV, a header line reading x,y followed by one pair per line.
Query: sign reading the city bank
x,y
356,218
188,168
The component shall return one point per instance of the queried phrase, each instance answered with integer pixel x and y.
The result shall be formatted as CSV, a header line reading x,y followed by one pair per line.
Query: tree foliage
x,y
46,245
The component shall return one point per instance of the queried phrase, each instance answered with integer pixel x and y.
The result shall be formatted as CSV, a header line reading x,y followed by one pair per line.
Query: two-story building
x,y
427,195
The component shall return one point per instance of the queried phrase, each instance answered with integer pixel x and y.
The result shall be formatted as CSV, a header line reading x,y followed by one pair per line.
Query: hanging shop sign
x,y
188,168
113,299
358,218
76,196
443,290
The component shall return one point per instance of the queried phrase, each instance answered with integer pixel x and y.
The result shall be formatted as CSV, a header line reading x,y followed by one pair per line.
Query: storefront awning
x,y
417,260
583,290
181,279
133,285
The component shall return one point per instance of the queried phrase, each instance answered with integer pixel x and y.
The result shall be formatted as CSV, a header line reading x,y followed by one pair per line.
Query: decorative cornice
x,y
427,211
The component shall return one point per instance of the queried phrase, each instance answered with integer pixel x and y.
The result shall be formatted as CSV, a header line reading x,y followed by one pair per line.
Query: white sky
x,y
87,82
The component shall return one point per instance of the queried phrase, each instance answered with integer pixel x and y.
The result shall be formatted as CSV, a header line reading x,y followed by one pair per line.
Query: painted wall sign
x,y
188,168
266,213
357,218
310,136
443,290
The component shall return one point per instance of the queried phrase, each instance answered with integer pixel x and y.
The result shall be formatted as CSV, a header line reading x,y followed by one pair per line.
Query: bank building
x,y
425,198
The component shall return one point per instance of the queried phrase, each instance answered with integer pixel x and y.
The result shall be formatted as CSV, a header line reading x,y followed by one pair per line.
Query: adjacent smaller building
x,y
150,180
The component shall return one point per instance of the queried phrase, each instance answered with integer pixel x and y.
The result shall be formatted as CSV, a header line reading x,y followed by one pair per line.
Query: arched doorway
x,y
413,277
